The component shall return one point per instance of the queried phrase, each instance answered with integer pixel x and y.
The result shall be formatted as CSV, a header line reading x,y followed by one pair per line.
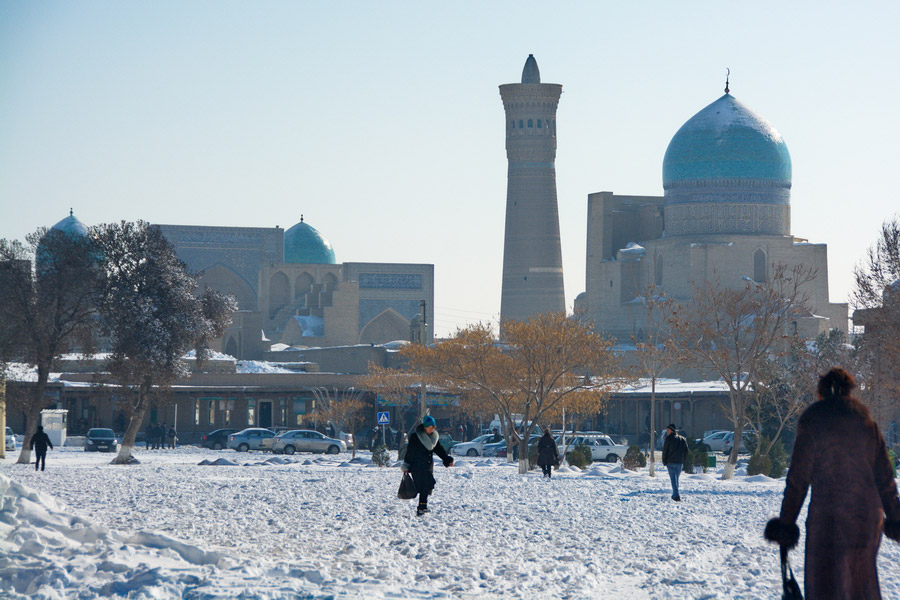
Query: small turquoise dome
x,y
71,225
304,244
726,140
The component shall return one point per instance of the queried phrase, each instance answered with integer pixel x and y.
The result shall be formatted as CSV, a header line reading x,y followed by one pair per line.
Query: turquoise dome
x,y
726,140
304,244
72,226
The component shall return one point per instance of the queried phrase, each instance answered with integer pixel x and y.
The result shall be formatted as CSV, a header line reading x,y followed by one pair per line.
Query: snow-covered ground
x,y
324,527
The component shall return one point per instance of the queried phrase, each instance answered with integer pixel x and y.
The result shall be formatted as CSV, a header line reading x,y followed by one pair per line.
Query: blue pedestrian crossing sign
x,y
384,418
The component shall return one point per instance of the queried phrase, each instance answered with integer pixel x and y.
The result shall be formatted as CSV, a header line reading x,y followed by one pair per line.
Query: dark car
x,y
217,439
100,440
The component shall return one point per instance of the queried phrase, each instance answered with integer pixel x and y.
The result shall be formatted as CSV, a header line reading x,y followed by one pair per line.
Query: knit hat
x,y
672,427
429,421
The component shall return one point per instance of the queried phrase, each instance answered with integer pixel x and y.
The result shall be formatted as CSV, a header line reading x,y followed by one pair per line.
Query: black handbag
x,y
407,489
788,582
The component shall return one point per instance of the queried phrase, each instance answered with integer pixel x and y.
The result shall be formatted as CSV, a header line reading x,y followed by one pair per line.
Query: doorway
x,y
265,414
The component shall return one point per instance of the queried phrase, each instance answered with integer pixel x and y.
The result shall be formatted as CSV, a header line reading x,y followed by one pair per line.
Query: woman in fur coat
x,y
423,444
840,452
548,454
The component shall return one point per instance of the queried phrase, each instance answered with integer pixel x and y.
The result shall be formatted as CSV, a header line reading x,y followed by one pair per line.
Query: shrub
x,y
580,456
697,456
893,458
779,460
381,456
634,459
759,464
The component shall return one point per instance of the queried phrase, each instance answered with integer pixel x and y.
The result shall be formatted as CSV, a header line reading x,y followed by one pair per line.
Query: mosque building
x,y
724,215
291,292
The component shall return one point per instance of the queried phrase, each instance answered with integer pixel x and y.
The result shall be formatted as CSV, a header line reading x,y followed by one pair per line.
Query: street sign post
x,y
384,419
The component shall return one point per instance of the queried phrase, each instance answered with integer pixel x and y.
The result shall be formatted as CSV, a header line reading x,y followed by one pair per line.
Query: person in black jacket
x,y
423,444
39,443
673,454
548,454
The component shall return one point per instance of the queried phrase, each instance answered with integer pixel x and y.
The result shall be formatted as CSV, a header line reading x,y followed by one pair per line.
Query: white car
x,y
729,442
603,448
473,448
305,440
249,439
715,441
10,440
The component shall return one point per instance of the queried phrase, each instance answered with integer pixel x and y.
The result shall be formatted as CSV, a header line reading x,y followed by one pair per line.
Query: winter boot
x,y
422,509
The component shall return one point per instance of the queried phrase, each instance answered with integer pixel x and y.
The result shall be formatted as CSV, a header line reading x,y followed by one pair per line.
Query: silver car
x,y
10,440
249,439
304,440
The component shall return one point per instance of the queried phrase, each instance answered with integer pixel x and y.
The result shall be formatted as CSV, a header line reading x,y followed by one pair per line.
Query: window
x,y
196,412
211,412
521,124
251,411
299,410
539,123
229,408
530,123
759,266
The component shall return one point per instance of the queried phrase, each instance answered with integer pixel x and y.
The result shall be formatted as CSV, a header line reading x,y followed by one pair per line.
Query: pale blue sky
x,y
381,122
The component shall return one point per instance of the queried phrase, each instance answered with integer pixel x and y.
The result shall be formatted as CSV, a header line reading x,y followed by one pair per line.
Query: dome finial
x,y
727,74
301,218
71,213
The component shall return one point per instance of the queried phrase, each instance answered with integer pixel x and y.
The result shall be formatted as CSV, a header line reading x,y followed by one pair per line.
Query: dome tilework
x,y
304,244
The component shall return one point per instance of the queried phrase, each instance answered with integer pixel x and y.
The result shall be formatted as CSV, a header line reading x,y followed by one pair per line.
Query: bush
x,y
697,456
774,464
893,458
381,456
580,456
634,459
759,464
779,460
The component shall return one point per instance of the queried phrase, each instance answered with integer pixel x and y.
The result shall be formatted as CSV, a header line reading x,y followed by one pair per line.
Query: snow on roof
x,y
675,386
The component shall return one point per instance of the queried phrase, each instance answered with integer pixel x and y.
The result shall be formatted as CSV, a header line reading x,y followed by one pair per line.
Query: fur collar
x,y
429,441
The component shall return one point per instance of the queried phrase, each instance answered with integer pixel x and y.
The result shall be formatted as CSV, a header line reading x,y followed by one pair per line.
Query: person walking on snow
x,y
419,459
674,451
548,454
840,453
39,443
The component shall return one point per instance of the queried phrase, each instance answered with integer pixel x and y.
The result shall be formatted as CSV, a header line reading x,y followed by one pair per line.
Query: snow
x,y
312,526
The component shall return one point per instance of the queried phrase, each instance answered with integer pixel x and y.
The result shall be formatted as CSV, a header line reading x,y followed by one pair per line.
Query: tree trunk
x,y
33,414
32,420
523,456
652,428
134,425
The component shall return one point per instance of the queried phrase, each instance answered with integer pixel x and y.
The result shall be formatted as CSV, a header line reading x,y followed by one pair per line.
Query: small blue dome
x,y
726,140
304,244
72,226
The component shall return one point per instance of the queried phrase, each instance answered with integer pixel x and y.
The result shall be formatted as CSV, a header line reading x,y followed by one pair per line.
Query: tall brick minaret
x,y
532,258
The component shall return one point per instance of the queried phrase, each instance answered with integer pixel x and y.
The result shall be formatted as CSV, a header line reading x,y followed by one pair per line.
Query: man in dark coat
x,y
839,451
548,454
39,443
423,444
673,454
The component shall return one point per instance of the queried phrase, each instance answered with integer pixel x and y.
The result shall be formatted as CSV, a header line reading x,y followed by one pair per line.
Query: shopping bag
x,y
407,489
788,583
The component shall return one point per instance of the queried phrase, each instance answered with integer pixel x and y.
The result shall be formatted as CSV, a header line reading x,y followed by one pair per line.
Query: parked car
x,y
746,437
10,440
603,448
99,439
305,440
249,439
217,439
495,449
268,444
448,442
714,441
473,448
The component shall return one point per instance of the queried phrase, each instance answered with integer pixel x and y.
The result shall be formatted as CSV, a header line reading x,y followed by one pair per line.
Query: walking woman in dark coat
x,y
840,452
423,444
548,455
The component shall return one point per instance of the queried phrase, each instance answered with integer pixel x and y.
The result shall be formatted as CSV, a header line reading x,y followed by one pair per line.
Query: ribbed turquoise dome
x,y
304,244
726,140
72,226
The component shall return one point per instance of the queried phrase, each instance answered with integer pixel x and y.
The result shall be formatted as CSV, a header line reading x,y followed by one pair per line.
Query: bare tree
x,y
876,300
342,407
47,300
734,331
654,351
152,316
